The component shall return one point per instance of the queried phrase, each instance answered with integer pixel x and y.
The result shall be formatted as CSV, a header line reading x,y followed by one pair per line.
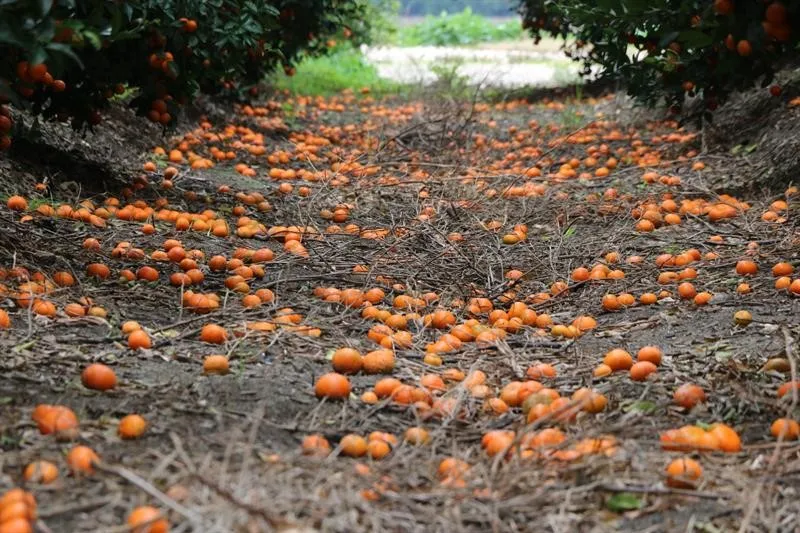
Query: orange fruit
x,y
450,468
63,279
139,339
385,387
81,459
353,445
216,364
602,371
332,385
378,449
71,310
687,291
618,359
652,354
346,361
497,441
17,203
785,429
315,445
55,419
497,406
648,298
580,274
727,438
611,303
641,370
723,7
131,427
98,376
16,524
147,519
702,298
684,473
590,401
351,297
43,472
584,323
416,436
217,263
18,496
147,273
130,326
776,13
540,370
98,270
746,267
788,388
14,510
688,395
378,362
442,319
743,48
213,334
782,269
743,288
742,317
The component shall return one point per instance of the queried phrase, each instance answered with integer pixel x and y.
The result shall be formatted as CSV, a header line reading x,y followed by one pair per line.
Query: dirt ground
x,y
223,453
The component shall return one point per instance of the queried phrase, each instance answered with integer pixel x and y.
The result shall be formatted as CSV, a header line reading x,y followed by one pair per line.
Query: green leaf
x,y
7,36
624,501
668,38
93,39
45,6
37,55
695,39
642,406
66,50
722,355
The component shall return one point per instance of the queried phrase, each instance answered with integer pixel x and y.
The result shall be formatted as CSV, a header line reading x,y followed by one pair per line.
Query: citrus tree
x,y
665,49
67,59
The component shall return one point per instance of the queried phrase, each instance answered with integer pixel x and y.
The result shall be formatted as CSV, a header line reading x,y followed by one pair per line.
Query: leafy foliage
x,y
457,29
68,58
666,49
342,69
624,501
488,8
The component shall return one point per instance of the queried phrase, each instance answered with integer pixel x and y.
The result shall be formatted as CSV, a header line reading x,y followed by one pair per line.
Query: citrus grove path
x,y
352,314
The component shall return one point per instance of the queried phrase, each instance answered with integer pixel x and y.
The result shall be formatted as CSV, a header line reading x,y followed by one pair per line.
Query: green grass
x,y
343,69
459,29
